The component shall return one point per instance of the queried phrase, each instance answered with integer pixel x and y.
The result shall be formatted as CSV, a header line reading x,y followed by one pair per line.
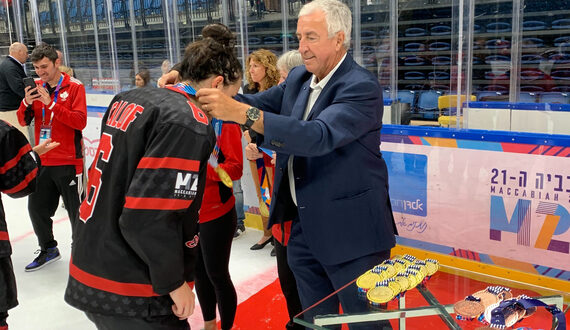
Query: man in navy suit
x,y
324,123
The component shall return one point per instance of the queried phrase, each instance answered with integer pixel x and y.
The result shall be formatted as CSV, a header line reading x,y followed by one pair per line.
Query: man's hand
x,y
252,153
221,106
184,301
169,78
31,94
44,95
45,146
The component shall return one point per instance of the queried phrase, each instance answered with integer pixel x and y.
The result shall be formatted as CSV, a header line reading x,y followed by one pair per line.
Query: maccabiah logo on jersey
x,y
537,217
186,185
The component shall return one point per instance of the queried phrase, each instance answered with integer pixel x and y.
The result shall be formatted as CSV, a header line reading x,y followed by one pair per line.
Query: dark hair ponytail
x,y
220,33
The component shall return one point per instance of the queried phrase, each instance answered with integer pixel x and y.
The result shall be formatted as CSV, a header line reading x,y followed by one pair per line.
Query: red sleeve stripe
x,y
4,236
24,183
148,203
171,163
103,284
12,162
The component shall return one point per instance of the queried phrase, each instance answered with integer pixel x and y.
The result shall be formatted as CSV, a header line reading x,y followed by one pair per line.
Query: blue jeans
x,y
238,194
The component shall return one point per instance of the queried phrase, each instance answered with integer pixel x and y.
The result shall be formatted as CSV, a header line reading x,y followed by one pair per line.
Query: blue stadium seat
x,y
438,75
496,75
560,74
439,46
367,35
414,75
526,97
414,47
427,103
496,58
554,97
563,23
532,88
562,41
477,28
476,60
498,27
481,96
407,96
534,25
497,44
440,30
532,43
270,40
441,60
561,89
441,88
531,74
531,59
495,88
367,50
414,60
253,41
415,32
560,58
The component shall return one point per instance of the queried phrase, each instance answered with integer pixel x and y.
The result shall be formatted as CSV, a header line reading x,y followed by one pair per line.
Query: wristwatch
x,y
252,115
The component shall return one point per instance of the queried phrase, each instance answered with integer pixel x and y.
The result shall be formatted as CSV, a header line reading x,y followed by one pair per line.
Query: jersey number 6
x,y
94,184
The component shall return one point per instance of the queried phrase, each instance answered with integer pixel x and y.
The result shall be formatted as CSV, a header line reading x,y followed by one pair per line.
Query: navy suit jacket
x,y
341,180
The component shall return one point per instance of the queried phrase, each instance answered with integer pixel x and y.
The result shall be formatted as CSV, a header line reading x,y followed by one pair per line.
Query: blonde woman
x,y
261,74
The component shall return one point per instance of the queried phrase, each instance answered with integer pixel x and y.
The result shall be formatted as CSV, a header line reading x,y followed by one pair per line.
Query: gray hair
x,y
337,16
289,60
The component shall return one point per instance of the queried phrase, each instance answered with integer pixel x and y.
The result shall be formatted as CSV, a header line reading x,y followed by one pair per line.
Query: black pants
x,y
288,285
213,281
54,181
7,288
113,322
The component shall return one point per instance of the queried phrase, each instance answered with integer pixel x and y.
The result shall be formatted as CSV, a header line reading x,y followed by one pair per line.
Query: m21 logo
x,y
556,222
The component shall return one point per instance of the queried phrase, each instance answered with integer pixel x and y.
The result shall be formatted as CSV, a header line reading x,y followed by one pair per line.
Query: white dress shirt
x,y
316,89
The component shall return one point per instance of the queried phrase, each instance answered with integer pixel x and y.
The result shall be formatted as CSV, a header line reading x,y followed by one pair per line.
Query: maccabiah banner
x,y
494,202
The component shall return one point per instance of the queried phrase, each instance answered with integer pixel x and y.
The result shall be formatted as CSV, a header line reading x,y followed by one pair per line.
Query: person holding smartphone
x,y
57,103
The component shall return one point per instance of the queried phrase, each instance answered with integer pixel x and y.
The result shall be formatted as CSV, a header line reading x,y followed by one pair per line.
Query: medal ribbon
x,y
54,100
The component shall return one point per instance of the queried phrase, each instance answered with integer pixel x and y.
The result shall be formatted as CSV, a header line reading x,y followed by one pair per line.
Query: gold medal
x,y
400,264
395,286
368,280
403,281
380,294
390,270
225,177
432,266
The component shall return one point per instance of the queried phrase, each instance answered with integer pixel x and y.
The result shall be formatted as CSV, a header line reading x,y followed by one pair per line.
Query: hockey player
x,y
19,167
134,247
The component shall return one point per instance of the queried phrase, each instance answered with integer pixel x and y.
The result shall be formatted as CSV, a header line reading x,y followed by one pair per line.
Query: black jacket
x,y
136,239
11,84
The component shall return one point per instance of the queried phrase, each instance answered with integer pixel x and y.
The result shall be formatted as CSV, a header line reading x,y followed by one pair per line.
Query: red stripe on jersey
x,y
148,203
12,162
4,236
22,185
103,284
171,163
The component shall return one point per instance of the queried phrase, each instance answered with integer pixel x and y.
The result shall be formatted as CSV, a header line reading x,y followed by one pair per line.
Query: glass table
x,y
430,305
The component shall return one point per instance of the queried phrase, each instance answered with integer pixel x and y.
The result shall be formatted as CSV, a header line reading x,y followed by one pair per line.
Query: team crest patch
x,y
64,95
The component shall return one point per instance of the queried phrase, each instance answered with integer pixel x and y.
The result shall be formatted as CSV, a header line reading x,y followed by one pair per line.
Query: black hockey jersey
x,y
18,172
136,239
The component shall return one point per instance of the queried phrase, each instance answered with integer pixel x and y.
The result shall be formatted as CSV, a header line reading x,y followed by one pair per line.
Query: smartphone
x,y
29,81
